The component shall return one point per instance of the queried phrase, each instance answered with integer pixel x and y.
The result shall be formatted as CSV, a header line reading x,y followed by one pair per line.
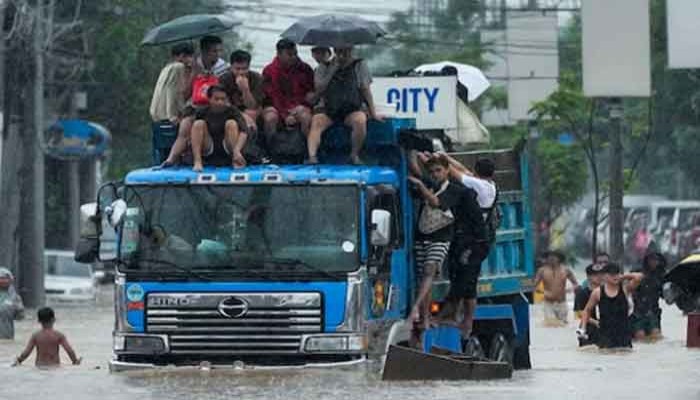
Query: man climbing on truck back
x,y
435,232
343,86
219,133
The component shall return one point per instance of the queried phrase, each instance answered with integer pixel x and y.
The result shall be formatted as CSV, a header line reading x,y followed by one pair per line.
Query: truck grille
x,y
234,323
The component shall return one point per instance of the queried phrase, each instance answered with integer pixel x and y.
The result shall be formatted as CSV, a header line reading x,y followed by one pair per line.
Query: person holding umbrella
x,y
344,87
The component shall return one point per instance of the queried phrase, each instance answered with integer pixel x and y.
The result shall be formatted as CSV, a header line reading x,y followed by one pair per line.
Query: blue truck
x,y
293,265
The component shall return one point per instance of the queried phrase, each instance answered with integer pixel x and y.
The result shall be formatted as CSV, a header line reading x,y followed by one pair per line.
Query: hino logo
x,y
233,307
169,301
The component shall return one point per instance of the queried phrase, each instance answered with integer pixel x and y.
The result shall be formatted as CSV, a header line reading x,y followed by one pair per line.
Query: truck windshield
x,y
296,229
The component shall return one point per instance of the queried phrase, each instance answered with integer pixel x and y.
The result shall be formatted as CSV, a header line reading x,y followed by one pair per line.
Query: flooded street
x,y
666,370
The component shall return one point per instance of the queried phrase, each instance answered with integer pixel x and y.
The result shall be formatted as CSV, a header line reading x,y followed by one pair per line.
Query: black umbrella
x,y
687,273
188,27
333,31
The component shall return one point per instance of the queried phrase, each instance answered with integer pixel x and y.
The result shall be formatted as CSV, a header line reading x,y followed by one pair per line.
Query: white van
x,y
670,220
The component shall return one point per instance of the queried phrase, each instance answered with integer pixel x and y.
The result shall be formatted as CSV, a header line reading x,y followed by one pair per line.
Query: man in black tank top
x,y
613,306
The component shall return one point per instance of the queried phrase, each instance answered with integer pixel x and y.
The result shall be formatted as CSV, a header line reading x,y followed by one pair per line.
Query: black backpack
x,y
342,96
287,146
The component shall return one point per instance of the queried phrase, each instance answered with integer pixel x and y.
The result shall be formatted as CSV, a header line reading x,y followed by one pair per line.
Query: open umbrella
x,y
471,77
333,31
188,27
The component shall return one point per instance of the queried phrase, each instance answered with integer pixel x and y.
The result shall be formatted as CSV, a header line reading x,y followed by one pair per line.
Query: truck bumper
x,y
117,366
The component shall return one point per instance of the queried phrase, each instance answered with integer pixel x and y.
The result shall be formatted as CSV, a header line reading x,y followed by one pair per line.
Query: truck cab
x,y
290,265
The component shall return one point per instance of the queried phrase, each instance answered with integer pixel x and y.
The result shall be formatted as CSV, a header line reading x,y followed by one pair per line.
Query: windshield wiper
x,y
189,271
295,262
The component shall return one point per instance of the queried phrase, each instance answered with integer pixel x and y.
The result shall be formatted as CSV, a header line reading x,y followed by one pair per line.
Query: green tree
x,y
563,176
123,74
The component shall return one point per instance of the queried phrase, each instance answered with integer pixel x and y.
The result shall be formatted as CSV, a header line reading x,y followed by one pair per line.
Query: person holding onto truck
x,y
343,86
613,308
434,234
219,133
480,179
287,81
47,342
554,275
646,317
244,87
594,274
11,306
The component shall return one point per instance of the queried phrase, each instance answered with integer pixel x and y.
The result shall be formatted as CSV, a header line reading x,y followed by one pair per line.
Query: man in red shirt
x,y
286,83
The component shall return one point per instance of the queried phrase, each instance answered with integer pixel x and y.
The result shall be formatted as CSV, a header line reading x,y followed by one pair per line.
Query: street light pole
x,y
616,215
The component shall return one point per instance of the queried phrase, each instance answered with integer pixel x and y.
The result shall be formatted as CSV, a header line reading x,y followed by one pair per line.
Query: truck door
x,y
387,270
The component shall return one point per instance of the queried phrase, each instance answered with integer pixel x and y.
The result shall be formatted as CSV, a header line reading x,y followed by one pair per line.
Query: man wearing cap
x,y
594,273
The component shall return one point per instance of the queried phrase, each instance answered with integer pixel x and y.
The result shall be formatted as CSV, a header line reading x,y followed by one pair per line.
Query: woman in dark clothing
x,y
613,306
646,318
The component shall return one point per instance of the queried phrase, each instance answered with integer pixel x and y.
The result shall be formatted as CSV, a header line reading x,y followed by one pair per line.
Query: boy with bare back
x,y
554,275
46,342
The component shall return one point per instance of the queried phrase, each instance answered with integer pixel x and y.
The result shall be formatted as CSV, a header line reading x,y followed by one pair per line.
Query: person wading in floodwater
x,y
611,298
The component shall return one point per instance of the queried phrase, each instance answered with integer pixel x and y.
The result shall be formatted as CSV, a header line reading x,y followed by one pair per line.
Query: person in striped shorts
x,y
432,242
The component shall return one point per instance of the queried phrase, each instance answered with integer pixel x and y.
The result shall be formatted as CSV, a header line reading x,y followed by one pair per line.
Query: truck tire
x,y
521,354
501,349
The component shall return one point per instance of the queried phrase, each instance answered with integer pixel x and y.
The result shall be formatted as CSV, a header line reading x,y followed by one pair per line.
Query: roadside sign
x,y
431,100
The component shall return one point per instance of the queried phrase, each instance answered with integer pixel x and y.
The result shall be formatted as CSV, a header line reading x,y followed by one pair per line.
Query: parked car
x,y
68,280
673,224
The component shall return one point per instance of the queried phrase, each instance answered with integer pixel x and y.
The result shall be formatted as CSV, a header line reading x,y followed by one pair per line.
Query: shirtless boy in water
x,y
46,342
554,275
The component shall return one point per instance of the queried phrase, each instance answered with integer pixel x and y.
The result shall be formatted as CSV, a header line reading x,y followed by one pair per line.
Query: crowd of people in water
x,y
614,308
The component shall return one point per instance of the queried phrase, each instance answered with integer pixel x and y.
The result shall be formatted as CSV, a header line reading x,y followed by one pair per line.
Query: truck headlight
x,y
336,343
118,343
140,344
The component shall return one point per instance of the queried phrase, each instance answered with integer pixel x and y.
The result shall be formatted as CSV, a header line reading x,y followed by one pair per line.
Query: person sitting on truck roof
x,y
219,132
344,87
244,87
207,69
173,86
287,80
435,231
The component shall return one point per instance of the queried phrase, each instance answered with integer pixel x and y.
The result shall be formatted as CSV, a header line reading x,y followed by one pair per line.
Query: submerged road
x,y
665,370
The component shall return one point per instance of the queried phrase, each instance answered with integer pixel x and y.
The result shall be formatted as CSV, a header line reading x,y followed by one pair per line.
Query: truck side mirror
x,y
115,212
88,248
381,228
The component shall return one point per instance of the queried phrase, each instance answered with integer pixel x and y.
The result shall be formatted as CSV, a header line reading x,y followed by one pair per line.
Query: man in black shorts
x,y
219,133
469,249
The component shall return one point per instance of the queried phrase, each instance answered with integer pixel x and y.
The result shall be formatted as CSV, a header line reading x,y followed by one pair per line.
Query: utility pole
x,y
3,114
616,216
33,213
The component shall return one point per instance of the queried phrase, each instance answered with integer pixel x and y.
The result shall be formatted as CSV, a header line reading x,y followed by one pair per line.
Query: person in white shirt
x,y
481,179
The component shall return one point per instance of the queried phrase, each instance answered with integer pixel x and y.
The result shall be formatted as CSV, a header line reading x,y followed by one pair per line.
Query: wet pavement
x,y
666,370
